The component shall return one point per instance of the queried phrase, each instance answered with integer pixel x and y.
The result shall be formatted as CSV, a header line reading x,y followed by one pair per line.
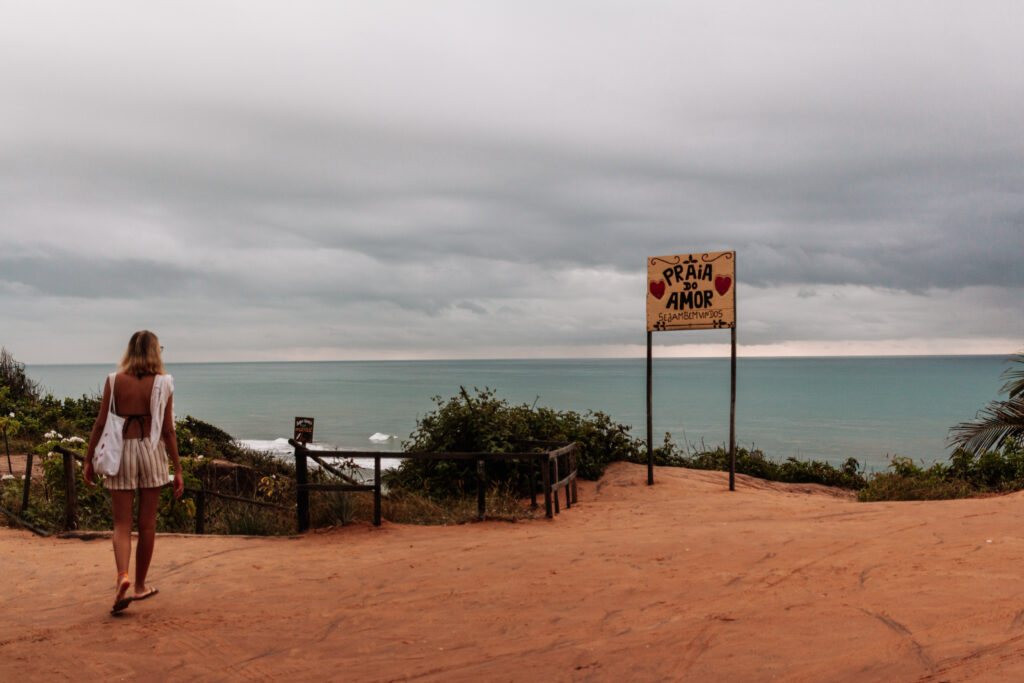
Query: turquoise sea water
x,y
823,408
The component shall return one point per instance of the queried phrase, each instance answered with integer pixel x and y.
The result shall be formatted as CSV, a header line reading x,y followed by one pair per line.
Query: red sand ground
x,y
680,581
18,466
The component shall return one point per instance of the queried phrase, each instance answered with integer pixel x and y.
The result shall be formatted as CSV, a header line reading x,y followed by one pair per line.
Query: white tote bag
x,y
107,458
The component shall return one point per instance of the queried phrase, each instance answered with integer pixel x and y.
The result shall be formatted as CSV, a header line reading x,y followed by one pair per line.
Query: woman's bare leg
x,y
149,499
121,501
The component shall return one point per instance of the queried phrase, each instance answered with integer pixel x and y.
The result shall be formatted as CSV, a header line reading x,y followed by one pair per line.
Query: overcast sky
x,y
349,180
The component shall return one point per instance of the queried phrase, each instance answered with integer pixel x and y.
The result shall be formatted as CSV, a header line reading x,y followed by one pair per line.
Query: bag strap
x,y
111,377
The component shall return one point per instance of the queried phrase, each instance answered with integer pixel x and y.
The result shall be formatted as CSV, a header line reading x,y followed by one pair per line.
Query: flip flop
x,y
148,594
121,599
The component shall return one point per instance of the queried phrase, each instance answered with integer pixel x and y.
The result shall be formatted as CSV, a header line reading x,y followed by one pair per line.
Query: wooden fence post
x,y
546,474
555,478
301,493
27,484
481,490
376,491
200,511
532,464
70,493
568,484
572,468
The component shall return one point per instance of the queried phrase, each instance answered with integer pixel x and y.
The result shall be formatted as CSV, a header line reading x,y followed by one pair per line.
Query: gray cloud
x,y
457,176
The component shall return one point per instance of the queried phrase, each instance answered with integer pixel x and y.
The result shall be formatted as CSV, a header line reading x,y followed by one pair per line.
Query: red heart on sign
x,y
722,284
658,289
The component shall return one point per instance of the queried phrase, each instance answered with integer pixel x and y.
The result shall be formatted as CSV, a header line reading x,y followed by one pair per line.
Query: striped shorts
x,y
143,466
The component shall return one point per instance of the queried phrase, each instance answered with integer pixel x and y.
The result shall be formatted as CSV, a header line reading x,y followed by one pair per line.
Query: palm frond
x,y
996,422
1014,376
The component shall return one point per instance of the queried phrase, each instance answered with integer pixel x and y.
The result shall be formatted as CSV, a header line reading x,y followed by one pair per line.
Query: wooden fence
x,y
556,461
557,465
70,493
200,495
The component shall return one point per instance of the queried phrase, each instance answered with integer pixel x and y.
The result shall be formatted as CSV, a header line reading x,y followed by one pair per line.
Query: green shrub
x,y
905,480
10,493
484,423
753,462
12,376
967,474
467,423
891,486
206,431
48,509
252,520
408,507
995,470
331,508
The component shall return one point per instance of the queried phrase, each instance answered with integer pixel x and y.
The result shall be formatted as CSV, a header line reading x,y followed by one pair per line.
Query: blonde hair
x,y
142,357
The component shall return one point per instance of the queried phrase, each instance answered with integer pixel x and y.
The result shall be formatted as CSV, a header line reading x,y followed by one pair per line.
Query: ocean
x,y
810,408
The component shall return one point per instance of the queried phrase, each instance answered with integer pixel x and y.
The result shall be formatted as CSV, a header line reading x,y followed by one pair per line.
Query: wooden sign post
x,y
692,292
303,429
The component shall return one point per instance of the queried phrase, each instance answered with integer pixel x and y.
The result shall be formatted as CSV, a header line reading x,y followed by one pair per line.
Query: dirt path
x,y
18,466
680,581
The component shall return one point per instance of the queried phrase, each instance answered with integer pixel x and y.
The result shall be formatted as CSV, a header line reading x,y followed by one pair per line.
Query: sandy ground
x,y
18,465
680,581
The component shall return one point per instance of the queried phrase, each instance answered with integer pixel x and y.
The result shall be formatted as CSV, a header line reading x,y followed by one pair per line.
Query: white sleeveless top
x,y
163,388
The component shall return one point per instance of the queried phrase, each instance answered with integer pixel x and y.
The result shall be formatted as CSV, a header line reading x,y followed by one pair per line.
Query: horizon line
x,y
552,358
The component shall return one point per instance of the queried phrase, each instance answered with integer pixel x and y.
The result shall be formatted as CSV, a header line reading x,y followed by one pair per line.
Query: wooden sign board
x,y
691,291
303,429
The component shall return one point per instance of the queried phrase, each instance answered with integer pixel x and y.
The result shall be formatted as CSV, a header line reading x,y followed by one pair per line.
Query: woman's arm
x,y
170,439
97,430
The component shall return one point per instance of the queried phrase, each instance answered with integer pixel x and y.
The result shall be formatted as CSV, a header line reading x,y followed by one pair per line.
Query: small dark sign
x,y
304,429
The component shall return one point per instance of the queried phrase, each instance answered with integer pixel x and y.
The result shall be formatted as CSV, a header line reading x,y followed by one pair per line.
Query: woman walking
x,y
143,395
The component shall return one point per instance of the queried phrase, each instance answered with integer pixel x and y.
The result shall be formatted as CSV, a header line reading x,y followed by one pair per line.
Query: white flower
x,y
6,477
74,439
10,415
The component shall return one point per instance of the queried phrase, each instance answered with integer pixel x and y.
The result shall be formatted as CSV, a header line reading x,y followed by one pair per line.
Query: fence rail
x,y
199,495
303,486
560,457
70,487
557,464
